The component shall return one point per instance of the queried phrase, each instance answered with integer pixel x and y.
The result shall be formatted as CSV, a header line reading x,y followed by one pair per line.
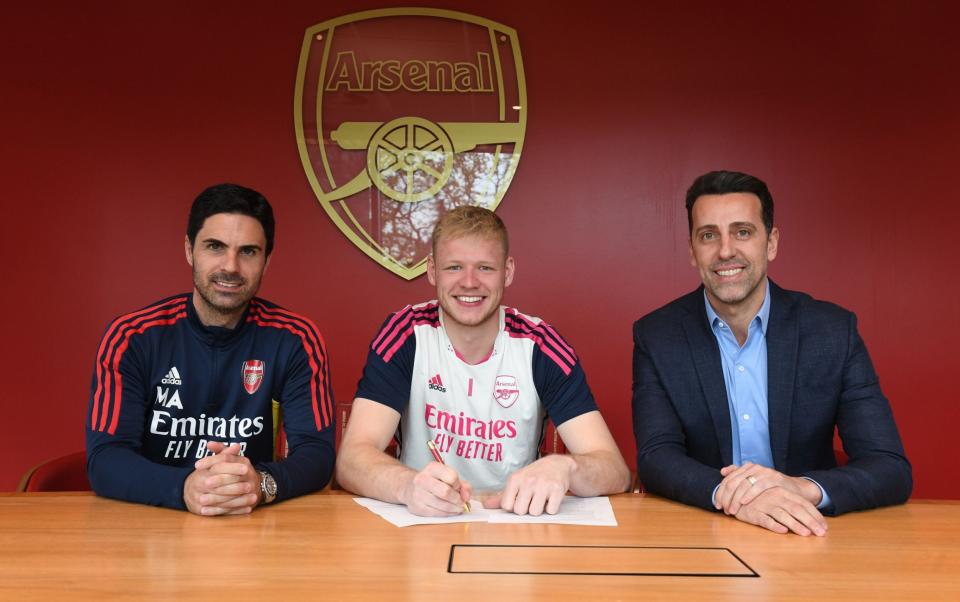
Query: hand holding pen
x,y
439,459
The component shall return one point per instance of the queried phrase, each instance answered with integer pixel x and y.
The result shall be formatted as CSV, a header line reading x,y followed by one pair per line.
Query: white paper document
x,y
595,511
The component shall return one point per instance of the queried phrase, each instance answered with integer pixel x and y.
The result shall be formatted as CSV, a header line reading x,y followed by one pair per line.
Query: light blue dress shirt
x,y
745,377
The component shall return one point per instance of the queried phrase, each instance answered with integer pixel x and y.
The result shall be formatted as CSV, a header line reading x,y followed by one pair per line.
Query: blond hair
x,y
470,220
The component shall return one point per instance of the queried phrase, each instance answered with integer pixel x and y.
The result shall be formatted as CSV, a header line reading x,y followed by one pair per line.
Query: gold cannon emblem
x,y
395,130
410,159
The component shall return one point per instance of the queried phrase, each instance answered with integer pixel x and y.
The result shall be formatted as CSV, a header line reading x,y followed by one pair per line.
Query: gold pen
x,y
439,458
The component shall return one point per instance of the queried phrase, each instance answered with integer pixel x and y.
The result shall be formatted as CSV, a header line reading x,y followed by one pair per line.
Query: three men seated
x,y
738,387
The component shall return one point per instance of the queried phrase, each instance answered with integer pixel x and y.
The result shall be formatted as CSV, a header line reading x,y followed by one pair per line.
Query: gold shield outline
x,y
326,199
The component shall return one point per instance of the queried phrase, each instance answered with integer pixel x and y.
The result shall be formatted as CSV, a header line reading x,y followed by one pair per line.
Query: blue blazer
x,y
819,376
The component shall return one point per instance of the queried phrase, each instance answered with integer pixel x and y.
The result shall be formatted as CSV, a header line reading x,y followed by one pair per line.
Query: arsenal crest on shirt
x,y
252,375
505,390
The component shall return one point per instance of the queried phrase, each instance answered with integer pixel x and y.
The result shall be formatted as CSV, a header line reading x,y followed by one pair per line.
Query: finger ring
x,y
752,479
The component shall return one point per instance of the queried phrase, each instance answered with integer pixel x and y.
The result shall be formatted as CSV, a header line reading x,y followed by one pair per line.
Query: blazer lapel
x,y
783,340
706,357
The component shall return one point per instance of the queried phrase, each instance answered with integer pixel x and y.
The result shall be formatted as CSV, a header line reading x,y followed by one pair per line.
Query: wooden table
x,y
325,546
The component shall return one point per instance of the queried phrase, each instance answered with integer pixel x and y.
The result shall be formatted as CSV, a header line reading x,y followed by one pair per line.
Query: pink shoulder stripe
x,y
400,327
546,349
549,341
545,332
549,329
417,321
400,315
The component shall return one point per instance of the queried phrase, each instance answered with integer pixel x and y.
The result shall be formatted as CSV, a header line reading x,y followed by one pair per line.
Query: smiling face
x,y
470,273
730,247
228,259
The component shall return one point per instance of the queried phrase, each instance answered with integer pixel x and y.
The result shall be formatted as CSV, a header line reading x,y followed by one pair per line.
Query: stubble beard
x,y
734,294
237,303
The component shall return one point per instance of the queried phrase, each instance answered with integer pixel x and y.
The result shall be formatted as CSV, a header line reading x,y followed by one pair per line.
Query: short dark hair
x,y
726,182
231,198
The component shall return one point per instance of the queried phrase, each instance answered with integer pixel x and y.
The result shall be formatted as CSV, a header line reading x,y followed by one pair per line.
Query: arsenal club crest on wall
x,y
404,114
252,375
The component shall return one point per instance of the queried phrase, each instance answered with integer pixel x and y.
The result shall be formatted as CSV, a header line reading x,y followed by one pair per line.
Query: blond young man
x,y
477,379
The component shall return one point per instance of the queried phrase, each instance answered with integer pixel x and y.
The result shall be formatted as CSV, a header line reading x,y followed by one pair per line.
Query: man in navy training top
x,y
188,393
739,386
478,380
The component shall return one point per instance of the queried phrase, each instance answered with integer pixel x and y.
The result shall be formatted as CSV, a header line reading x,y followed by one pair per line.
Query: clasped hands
x,y
762,496
438,490
224,483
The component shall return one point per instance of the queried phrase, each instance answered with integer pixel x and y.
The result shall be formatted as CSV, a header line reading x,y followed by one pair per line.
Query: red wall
x,y
113,118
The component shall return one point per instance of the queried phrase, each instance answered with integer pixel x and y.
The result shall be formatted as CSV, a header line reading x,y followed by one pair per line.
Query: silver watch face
x,y
268,484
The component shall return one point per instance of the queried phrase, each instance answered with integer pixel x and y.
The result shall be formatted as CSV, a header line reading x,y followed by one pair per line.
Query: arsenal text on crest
x,y
252,375
414,75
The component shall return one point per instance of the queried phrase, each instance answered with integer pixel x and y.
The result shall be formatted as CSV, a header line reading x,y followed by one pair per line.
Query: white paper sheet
x,y
595,511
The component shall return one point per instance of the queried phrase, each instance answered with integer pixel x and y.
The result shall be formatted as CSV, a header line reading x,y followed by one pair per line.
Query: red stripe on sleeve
x,y
108,343
313,346
121,349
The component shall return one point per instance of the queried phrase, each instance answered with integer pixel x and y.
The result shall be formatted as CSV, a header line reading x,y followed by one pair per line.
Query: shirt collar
x,y
215,335
763,316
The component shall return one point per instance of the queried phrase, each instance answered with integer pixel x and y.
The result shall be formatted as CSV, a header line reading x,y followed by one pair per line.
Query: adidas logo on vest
x,y
172,377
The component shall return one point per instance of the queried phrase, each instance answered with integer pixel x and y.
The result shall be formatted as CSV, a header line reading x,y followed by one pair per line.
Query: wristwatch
x,y
268,486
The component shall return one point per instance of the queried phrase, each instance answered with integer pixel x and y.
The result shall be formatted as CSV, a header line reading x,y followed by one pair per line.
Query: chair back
x,y
65,473
552,443
343,414
280,447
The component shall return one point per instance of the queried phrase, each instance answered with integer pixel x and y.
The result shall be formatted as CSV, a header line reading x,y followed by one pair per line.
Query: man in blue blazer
x,y
739,385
